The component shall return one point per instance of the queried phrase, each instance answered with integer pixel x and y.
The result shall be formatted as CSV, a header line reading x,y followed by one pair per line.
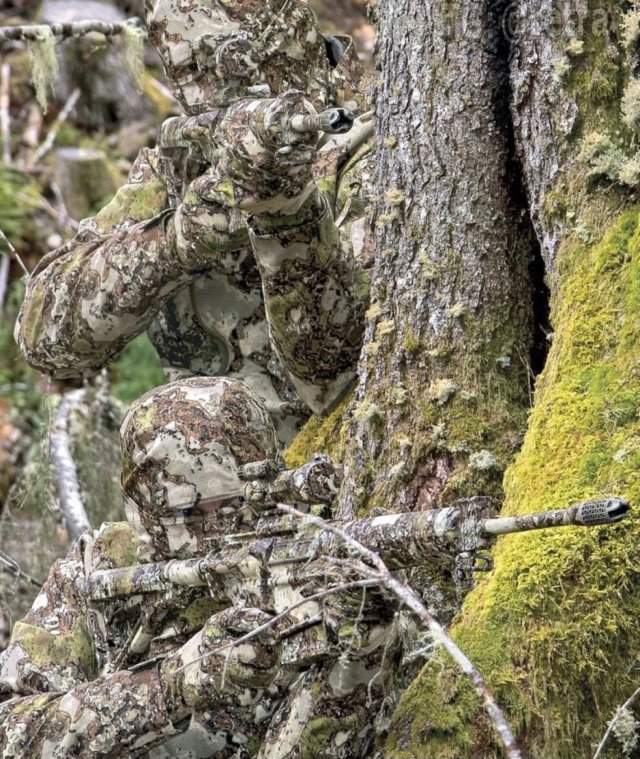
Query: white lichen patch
x,y
482,460
442,390
44,65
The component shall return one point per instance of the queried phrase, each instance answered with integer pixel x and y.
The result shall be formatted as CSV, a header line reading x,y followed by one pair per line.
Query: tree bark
x,y
554,626
442,395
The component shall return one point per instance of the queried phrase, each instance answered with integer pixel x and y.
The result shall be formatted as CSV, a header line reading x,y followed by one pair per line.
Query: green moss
x,y
554,626
321,434
70,648
317,739
137,202
199,612
118,545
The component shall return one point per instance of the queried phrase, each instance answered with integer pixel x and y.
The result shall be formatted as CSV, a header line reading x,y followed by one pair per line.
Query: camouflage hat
x,y
182,446
216,51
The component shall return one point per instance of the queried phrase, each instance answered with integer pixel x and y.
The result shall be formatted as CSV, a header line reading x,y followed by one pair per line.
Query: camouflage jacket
x,y
291,331
74,686
65,680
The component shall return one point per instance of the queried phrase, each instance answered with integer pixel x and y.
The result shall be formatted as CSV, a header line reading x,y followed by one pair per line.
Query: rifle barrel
x,y
587,514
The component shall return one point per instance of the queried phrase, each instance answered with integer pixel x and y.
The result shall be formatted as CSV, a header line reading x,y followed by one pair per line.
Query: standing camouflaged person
x,y
152,675
247,267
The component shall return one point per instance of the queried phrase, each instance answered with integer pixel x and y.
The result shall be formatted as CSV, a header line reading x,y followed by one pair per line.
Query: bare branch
x,y
619,711
5,267
69,495
62,117
5,113
34,32
413,602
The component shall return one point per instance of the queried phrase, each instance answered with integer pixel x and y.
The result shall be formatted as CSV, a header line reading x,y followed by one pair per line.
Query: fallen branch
x,y
66,474
14,253
5,267
5,114
409,598
619,712
60,120
35,32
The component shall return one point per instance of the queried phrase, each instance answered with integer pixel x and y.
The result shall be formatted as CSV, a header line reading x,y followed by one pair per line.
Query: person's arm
x,y
119,715
88,299
314,290
125,713
315,298
314,281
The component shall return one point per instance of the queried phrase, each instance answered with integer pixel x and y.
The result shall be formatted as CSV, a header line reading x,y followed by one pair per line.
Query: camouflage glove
x,y
263,167
192,677
265,156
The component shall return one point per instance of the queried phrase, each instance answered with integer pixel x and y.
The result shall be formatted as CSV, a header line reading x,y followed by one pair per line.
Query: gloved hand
x,y
264,163
192,677
263,166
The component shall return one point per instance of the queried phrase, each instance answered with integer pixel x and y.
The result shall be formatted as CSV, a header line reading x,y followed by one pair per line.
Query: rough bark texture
x,y
441,398
554,627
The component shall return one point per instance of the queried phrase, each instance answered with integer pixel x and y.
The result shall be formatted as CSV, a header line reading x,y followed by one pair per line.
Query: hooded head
x,y
182,447
216,51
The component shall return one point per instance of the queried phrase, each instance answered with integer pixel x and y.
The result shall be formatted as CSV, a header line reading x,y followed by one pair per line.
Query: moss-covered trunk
x,y
442,395
554,627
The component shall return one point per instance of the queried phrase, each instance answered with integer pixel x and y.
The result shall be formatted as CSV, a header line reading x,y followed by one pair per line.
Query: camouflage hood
x,y
217,51
182,446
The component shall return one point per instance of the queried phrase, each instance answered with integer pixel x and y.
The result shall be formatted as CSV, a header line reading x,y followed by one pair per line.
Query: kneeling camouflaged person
x,y
152,675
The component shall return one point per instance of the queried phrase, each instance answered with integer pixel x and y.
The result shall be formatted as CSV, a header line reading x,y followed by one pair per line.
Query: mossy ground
x,y
555,626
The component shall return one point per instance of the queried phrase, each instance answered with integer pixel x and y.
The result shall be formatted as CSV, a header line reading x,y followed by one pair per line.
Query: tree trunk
x,y
554,626
441,401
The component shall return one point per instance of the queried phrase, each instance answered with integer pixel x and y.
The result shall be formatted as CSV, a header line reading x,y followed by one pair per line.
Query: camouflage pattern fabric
x,y
232,49
248,267
152,675
194,275
183,446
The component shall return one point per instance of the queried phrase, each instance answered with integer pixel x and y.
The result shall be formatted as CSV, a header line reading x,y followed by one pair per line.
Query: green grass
x,y
136,371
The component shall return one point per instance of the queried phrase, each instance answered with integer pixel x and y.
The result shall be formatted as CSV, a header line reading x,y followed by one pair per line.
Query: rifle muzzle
x,y
332,121
588,514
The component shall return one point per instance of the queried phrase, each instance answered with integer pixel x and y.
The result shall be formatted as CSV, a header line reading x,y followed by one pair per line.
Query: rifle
x,y
273,565
184,139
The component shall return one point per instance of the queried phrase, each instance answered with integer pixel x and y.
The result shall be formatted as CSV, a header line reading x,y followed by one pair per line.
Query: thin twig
x,y
60,214
62,117
65,217
619,711
9,564
14,253
413,602
5,113
369,583
5,267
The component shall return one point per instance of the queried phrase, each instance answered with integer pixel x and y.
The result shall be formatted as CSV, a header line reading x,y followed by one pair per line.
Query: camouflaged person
x,y
250,265
69,672
141,676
